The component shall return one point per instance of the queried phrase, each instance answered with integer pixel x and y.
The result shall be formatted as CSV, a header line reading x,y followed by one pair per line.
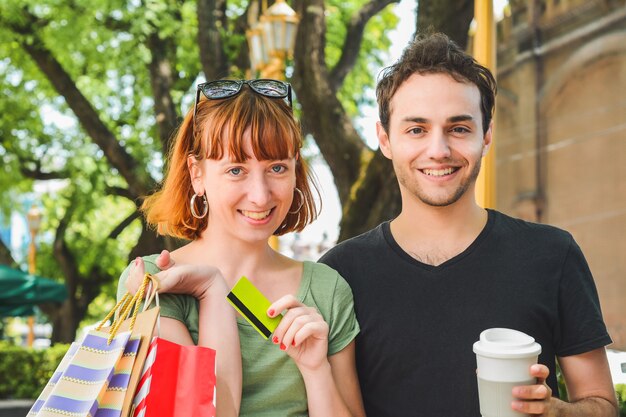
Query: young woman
x,y
235,178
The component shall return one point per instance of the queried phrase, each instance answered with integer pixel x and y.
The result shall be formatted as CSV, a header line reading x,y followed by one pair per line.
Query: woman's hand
x,y
194,280
302,333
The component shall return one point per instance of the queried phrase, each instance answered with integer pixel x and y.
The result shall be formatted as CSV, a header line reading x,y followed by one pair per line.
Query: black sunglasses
x,y
221,89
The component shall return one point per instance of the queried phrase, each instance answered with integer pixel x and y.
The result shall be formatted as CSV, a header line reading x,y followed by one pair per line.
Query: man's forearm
x,y
591,406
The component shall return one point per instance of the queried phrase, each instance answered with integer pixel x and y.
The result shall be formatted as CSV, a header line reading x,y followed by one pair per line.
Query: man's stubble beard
x,y
423,197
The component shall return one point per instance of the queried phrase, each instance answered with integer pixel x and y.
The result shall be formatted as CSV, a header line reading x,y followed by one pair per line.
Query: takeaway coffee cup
x,y
503,358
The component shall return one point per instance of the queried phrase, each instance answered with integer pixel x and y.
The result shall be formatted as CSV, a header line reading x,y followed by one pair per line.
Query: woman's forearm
x,y
218,330
323,398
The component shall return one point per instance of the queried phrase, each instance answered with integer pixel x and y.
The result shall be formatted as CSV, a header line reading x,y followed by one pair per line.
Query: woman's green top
x,y
272,384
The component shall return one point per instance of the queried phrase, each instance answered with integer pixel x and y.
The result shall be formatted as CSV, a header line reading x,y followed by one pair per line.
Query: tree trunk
x,y
5,256
322,113
377,198
450,17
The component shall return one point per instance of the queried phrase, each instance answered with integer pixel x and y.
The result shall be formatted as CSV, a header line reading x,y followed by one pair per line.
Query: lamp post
x,y
33,218
271,40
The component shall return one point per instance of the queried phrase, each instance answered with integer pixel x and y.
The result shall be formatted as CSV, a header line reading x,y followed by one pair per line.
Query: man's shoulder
x,y
526,230
359,245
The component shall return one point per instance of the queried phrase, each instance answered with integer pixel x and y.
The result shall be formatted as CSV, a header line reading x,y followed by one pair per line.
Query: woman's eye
x,y
234,171
278,169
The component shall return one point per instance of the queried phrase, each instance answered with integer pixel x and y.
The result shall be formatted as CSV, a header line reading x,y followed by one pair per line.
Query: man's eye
x,y
460,129
416,130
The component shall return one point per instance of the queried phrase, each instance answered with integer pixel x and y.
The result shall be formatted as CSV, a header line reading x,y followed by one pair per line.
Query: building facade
x,y
561,131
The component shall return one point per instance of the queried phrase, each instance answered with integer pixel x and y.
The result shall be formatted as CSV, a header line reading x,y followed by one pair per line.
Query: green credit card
x,y
253,305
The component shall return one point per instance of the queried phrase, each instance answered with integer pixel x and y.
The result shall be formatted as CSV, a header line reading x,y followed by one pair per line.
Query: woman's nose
x,y
259,191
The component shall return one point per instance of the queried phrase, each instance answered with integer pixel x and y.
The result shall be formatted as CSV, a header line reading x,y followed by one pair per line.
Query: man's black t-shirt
x,y
419,322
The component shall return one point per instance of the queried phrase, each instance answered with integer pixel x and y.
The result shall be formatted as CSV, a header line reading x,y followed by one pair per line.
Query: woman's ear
x,y
195,173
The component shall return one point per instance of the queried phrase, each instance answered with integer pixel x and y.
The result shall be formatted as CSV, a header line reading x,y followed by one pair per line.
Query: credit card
x,y
252,305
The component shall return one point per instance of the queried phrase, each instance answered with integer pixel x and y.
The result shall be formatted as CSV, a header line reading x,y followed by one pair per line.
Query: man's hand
x,y
534,399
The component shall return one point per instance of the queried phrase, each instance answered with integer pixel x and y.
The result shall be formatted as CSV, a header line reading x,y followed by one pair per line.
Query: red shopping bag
x,y
176,381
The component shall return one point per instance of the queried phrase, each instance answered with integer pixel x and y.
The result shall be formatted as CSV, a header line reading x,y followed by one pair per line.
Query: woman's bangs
x,y
272,138
273,133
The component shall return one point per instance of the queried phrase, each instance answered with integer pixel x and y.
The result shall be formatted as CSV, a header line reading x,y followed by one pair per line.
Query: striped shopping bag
x,y
56,376
110,405
95,374
143,388
85,381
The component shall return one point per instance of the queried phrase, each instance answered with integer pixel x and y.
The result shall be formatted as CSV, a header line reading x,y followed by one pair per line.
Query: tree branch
x,y
121,192
322,113
354,37
138,179
37,174
123,225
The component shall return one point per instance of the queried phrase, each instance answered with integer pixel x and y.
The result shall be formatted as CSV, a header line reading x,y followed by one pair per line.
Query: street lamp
x,y
33,218
271,39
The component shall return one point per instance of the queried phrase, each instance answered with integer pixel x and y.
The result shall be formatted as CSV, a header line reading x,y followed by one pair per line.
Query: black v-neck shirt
x,y
419,322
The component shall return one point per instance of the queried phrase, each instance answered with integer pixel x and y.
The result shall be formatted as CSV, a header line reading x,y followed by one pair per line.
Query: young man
x,y
428,282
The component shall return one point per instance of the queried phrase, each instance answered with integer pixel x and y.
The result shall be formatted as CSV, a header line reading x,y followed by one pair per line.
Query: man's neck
x,y
433,235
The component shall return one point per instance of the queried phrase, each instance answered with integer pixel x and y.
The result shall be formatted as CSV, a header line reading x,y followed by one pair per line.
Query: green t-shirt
x,y
272,384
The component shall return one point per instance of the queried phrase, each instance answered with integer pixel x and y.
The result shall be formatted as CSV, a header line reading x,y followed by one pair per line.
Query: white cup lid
x,y
506,343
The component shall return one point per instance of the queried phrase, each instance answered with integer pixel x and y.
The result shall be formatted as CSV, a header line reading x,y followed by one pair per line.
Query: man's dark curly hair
x,y
431,54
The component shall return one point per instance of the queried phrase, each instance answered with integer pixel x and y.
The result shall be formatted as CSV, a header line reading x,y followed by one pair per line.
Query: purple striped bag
x,y
84,382
93,378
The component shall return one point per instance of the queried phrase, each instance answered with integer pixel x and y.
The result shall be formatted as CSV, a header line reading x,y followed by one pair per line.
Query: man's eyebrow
x,y
460,118
415,119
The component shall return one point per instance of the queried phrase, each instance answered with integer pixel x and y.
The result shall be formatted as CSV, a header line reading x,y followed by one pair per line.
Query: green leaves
x,y
55,52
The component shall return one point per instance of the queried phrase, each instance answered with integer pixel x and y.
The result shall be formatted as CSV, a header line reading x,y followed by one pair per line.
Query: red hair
x,y
219,128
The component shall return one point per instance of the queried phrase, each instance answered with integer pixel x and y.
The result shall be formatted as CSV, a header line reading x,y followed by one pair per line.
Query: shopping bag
x,y
86,378
176,381
110,404
143,328
96,371
55,378
120,397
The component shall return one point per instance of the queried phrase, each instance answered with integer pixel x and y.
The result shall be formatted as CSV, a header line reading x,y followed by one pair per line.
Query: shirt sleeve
x,y
582,328
343,324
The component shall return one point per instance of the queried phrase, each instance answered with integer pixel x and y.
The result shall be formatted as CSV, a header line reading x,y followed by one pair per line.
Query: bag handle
x,y
130,303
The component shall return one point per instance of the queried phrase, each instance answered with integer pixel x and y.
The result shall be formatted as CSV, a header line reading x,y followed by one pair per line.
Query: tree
x,y
5,256
94,90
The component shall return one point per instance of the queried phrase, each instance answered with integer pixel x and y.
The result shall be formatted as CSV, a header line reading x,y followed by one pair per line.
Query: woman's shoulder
x,y
324,277
322,270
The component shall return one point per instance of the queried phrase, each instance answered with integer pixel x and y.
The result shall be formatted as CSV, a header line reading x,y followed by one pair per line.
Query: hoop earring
x,y
296,211
192,206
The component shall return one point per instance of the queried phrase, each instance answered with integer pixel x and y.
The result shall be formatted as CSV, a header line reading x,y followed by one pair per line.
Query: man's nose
x,y
438,146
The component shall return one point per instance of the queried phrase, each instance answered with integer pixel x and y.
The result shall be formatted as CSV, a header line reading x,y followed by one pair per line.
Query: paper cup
x,y
503,358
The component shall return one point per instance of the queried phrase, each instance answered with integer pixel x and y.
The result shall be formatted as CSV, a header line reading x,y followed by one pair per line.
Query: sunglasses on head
x,y
221,89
